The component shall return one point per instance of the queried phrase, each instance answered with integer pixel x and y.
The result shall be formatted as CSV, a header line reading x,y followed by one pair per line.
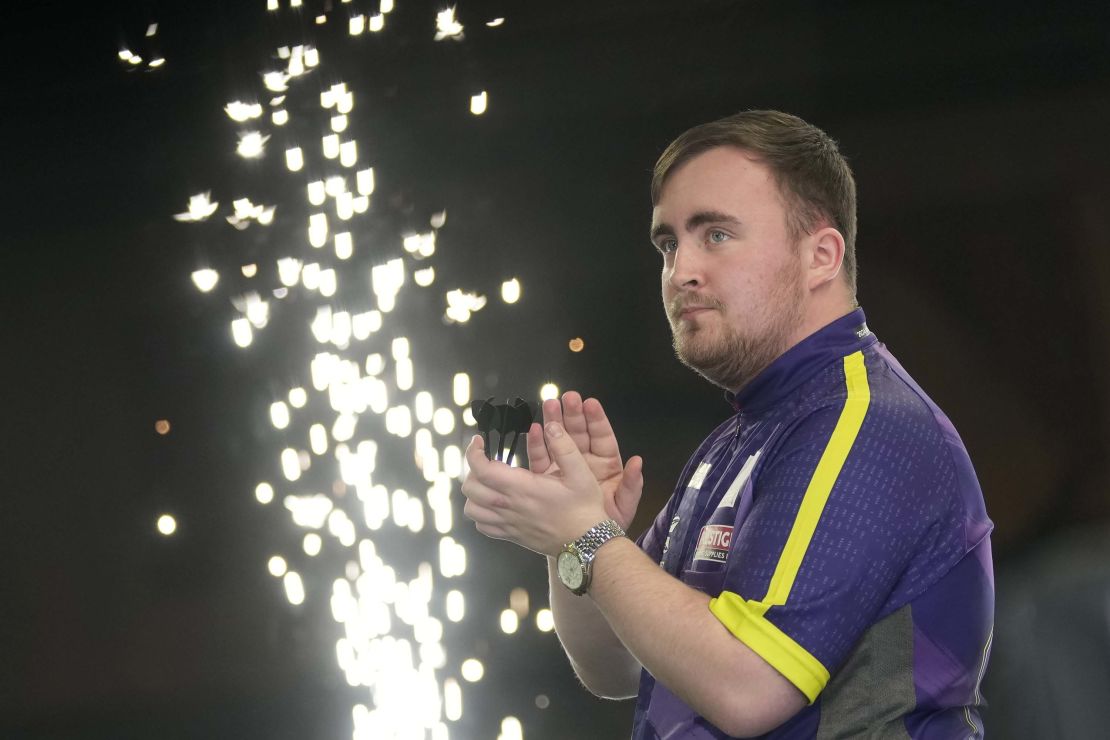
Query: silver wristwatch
x,y
575,563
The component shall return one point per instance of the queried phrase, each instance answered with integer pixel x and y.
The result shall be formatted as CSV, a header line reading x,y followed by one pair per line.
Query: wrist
x,y
574,565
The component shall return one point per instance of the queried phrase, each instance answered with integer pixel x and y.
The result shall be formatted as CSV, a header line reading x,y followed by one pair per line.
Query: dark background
x,y
977,133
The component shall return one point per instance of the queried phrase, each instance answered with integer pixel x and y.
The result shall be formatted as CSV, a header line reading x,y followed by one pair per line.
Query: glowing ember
x,y
200,208
239,111
479,103
205,279
251,144
447,26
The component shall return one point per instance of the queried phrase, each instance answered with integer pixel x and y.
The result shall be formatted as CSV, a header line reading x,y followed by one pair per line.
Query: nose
x,y
686,270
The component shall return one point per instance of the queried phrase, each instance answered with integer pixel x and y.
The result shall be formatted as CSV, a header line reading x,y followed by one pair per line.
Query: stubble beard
x,y
731,359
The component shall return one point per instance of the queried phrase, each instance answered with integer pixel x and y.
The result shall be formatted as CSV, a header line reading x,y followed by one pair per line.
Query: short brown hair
x,y
812,175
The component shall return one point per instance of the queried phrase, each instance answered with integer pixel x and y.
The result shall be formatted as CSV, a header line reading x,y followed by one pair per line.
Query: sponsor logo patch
x,y
713,543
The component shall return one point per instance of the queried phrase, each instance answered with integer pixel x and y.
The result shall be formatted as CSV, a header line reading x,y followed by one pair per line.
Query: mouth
x,y
692,311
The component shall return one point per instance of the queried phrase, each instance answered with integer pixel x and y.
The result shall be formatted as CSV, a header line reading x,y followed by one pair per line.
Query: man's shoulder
x,y
879,421
889,397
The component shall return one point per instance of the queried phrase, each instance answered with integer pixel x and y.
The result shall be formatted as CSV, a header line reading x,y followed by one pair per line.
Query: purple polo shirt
x,y
837,522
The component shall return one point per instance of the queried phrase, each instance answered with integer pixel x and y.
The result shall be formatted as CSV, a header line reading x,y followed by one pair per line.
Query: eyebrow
x,y
698,219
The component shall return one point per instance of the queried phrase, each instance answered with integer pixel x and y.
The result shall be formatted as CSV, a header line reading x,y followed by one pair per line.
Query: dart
x,y
514,417
484,413
519,420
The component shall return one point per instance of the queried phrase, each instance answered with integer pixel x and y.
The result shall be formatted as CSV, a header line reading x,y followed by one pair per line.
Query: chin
x,y
702,360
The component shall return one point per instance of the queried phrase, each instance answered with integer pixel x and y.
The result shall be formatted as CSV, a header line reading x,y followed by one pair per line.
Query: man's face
x,y
732,278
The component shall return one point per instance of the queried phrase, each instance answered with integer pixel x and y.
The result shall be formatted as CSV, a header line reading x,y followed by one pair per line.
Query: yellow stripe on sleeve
x,y
745,620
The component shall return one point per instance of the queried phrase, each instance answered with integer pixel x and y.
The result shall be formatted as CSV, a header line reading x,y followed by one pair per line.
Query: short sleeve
x,y
840,509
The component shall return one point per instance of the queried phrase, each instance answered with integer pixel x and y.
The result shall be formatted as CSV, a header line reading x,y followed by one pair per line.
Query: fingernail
x,y
555,430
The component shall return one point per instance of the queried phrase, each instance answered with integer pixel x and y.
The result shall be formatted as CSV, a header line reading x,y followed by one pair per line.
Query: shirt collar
x,y
798,364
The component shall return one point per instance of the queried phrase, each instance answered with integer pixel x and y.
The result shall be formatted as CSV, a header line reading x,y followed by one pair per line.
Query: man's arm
x,y
665,624
598,657
668,627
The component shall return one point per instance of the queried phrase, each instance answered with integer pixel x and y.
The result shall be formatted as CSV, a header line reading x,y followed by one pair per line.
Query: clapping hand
x,y
574,481
589,428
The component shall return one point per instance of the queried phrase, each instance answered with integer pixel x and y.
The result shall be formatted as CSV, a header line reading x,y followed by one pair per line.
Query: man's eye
x,y
667,245
717,236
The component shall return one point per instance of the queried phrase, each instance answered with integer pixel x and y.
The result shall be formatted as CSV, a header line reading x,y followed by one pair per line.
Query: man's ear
x,y
824,256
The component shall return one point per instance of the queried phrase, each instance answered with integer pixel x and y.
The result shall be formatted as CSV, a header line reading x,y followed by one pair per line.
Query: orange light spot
x,y
162,427
576,344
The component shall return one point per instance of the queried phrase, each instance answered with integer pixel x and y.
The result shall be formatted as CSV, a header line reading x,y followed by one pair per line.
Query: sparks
x,y
251,144
447,26
200,208
479,103
239,111
364,385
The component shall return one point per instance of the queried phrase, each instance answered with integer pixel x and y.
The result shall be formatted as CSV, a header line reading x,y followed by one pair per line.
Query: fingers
x,y
495,533
480,494
485,506
486,521
632,480
492,473
538,459
570,415
482,514
603,441
574,421
552,411
476,455
567,456
631,488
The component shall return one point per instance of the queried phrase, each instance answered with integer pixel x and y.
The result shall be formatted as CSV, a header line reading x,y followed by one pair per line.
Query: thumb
x,y
565,453
475,452
631,487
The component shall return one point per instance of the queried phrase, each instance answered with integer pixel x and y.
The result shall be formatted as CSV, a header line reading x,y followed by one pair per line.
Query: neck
x,y
823,308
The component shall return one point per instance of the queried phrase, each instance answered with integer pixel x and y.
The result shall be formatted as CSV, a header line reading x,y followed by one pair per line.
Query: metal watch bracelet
x,y
597,536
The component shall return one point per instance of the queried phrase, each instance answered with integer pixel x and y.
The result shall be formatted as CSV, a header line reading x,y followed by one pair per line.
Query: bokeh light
x,y
511,729
277,566
510,291
264,492
205,279
479,103
519,602
472,670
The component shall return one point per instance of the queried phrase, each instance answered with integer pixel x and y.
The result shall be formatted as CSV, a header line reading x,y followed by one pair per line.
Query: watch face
x,y
570,570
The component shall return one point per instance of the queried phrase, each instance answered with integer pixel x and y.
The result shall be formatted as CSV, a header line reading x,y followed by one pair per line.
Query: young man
x,y
823,568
